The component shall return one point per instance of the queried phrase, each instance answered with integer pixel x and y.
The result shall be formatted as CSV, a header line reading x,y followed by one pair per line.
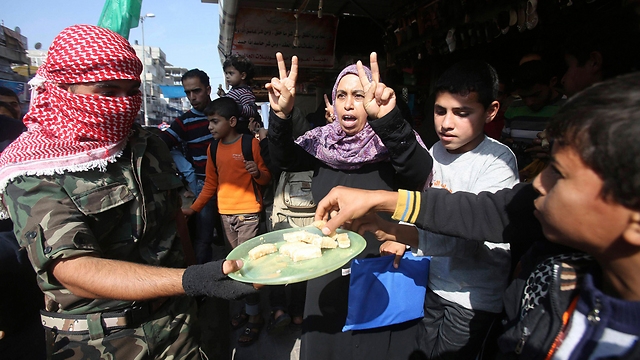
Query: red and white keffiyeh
x,y
75,132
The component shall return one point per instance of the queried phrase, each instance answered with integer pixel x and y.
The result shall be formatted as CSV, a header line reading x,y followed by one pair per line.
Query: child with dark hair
x,y
466,278
238,73
232,178
576,294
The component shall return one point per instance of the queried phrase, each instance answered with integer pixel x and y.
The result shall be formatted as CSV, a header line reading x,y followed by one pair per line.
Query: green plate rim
x,y
253,242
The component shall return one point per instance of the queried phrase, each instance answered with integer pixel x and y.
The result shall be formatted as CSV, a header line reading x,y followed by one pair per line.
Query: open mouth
x,y
349,121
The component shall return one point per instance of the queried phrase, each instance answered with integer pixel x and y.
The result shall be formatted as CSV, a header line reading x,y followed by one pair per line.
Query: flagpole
x,y
144,70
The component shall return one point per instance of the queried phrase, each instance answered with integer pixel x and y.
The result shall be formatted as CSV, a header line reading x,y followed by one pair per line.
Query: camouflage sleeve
x,y
47,222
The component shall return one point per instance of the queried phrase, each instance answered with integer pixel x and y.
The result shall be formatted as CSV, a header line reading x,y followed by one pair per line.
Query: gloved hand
x,y
209,280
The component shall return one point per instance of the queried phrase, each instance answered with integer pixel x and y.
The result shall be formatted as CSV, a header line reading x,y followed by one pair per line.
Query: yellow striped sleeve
x,y
401,205
416,207
408,206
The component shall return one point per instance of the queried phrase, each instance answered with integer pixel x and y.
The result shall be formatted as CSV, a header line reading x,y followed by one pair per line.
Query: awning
x,y
228,12
172,91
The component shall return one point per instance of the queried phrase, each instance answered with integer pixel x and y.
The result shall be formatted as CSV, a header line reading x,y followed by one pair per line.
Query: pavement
x,y
215,323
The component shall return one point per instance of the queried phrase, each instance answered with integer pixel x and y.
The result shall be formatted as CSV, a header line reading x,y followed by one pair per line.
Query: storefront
x,y
415,40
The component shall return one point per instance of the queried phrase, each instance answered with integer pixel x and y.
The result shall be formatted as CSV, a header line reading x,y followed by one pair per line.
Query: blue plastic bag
x,y
380,295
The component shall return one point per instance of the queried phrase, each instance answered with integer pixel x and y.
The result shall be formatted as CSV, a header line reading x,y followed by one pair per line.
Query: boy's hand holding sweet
x,y
221,92
282,91
379,99
252,168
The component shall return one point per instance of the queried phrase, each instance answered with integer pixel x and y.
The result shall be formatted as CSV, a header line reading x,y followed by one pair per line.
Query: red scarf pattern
x,y
75,132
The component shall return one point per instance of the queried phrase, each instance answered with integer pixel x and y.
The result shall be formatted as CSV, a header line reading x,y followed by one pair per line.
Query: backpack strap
x,y
247,147
213,152
247,154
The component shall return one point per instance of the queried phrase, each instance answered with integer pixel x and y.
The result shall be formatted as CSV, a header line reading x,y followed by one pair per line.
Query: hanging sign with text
x,y
261,33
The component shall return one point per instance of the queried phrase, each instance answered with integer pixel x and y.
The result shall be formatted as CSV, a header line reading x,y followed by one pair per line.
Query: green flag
x,y
120,16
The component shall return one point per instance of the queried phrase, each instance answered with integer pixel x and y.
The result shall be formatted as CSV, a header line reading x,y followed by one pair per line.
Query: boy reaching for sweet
x,y
466,279
577,292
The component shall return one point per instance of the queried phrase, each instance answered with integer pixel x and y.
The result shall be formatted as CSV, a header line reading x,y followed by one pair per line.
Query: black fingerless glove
x,y
208,279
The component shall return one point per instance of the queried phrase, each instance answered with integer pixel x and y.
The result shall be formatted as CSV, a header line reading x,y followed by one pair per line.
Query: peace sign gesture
x,y
329,116
282,91
379,99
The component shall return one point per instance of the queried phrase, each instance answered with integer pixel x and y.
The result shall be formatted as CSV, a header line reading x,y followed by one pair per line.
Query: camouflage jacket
x,y
126,213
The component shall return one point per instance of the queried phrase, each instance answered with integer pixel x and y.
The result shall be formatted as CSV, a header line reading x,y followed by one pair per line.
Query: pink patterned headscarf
x,y
331,145
75,132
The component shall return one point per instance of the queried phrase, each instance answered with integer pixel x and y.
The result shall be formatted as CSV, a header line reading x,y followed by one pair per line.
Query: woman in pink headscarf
x,y
369,146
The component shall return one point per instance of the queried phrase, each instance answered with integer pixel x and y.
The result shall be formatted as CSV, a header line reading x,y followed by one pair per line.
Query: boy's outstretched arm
x,y
496,217
500,217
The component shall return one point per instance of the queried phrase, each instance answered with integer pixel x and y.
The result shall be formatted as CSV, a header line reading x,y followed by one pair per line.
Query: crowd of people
x,y
532,226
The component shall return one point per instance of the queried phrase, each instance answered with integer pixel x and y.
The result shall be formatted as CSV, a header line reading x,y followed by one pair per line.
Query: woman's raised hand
x,y
379,99
282,91
329,116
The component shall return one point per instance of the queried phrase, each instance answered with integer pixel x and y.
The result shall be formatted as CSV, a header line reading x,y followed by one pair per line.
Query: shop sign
x,y
261,33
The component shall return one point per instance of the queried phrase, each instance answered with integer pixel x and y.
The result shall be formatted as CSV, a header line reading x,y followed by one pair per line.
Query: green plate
x,y
278,269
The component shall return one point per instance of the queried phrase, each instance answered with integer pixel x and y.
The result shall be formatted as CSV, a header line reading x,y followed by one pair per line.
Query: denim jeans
x,y
185,167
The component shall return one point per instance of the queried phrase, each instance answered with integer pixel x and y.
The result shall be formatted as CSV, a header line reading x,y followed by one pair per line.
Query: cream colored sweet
x,y
320,224
306,253
290,247
295,236
325,242
262,250
343,240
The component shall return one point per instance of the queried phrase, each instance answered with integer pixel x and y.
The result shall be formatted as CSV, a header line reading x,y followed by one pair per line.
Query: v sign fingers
x,y
282,67
329,115
375,70
282,91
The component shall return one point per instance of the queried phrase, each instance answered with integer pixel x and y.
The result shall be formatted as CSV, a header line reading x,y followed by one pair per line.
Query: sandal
x,y
251,333
277,325
239,320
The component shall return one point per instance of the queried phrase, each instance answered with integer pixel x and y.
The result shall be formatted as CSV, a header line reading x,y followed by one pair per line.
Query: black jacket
x,y
534,309
327,296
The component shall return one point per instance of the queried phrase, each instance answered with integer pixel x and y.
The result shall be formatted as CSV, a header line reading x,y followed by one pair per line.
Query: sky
x,y
186,30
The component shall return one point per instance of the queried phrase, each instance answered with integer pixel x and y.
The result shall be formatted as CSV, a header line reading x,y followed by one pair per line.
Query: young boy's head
x,y
590,192
465,101
223,114
238,70
534,82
